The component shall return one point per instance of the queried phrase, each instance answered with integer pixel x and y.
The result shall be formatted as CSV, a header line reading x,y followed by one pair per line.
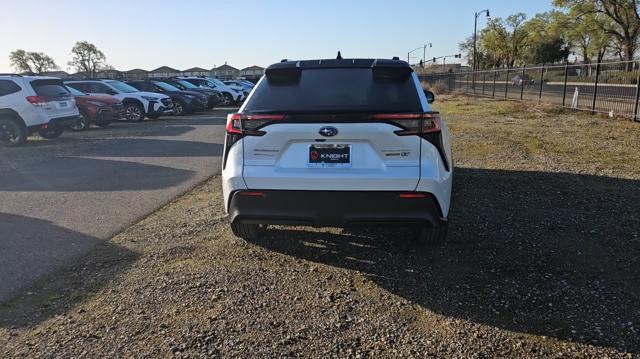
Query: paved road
x,y
59,198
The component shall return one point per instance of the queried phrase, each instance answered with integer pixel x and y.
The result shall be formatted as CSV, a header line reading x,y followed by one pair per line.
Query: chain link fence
x,y
611,88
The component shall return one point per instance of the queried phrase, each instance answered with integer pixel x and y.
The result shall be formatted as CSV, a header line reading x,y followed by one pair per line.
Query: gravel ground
x,y
541,261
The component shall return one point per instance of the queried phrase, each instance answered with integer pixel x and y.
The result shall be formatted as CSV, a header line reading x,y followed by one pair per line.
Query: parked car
x,y
214,97
520,80
100,110
236,88
184,102
137,104
335,159
230,95
238,83
34,104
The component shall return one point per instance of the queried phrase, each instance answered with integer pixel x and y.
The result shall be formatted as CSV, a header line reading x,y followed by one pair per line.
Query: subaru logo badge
x,y
328,131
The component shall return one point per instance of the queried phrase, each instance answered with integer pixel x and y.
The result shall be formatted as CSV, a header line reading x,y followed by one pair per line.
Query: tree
x,y
87,58
619,19
31,62
503,40
546,39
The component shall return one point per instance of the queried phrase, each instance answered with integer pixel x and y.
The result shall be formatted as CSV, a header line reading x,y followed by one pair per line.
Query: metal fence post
x,y
493,93
484,81
595,90
544,67
506,84
522,84
635,111
564,91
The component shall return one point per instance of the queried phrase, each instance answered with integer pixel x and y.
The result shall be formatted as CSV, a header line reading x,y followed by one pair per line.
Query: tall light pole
x,y
475,36
424,51
409,53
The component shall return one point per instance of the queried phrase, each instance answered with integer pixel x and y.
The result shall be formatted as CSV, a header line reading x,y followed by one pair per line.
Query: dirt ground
x,y
542,260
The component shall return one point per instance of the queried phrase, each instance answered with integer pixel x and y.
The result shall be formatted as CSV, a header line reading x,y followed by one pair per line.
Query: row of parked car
x,y
48,105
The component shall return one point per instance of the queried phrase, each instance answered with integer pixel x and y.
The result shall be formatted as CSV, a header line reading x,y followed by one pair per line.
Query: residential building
x,y
225,72
196,71
59,74
164,71
252,73
136,74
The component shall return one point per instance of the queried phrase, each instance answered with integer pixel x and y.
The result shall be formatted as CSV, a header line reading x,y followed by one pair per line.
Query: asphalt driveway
x,y
60,198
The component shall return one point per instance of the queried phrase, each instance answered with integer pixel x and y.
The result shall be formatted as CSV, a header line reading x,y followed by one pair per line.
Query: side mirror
x,y
430,96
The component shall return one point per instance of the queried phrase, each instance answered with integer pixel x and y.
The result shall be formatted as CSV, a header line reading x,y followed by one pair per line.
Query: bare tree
x,y
31,62
87,58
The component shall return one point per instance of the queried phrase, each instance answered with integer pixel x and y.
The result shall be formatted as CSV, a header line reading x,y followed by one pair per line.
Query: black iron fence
x,y
611,88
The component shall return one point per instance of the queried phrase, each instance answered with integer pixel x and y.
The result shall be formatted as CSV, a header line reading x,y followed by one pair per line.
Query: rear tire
x,y
12,132
50,133
248,231
431,235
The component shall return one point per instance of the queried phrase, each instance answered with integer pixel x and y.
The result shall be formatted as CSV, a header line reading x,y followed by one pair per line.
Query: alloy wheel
x,y
133,113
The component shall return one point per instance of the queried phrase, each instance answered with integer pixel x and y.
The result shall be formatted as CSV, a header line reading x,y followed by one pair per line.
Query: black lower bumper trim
x,y
62,122
332,208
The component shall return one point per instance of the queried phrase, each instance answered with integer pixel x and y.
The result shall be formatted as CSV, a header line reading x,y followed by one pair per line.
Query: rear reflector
x,y
413,195
251,194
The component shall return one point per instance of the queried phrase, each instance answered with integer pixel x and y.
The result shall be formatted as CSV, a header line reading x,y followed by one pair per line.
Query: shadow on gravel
x,y
548,254
30,248
92,175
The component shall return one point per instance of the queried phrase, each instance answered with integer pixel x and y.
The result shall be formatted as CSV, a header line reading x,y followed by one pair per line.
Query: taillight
x,y
426,125
37,100
239,125
249,125
414,123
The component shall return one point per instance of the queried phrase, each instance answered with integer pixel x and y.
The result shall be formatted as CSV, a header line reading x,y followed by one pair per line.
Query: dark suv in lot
x,y
215,98
183,101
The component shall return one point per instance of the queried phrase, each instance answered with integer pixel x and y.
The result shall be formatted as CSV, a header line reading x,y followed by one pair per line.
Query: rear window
x,y
336,90
50,88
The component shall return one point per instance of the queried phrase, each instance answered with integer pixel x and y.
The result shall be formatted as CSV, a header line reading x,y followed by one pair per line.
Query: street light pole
x,y
475,37
424,51
409,53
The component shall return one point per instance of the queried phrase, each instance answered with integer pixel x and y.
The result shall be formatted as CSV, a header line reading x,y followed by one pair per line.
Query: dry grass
x,y
494,134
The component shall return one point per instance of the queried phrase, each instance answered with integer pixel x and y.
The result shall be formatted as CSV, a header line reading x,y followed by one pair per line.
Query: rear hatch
x,y
53,98
327,129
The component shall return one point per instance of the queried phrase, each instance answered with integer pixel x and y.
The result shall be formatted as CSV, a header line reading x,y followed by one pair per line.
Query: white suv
x,y
137,104
336,143
34,104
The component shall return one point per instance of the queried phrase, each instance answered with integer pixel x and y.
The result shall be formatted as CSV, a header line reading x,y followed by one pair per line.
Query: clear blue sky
x,y
182,34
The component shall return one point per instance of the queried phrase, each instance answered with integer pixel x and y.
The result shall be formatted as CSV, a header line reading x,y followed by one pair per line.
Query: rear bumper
x,y
332,208
63,122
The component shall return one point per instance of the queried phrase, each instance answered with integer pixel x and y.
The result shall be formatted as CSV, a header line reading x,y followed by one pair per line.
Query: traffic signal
x,y
421,63
458,56
434,60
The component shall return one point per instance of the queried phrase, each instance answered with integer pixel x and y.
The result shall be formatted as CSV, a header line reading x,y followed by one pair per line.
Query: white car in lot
x,y
231,95
337,143
34,104
137,104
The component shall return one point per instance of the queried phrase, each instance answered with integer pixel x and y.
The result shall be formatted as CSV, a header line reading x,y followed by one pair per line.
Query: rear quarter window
x,y
50,88
7,87
337,90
